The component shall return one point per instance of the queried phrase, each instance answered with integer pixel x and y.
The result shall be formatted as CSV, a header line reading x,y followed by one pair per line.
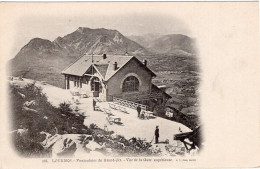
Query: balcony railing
x,y
140,97
128,103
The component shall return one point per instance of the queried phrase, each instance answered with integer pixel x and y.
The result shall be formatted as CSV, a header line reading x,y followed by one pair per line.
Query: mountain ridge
x,y
42,59
174,44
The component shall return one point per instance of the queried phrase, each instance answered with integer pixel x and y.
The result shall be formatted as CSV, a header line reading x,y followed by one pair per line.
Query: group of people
x,y
140,114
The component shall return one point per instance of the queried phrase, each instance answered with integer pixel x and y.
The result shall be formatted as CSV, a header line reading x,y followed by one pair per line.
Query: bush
x,y
93,126
28,147
46,118
65,108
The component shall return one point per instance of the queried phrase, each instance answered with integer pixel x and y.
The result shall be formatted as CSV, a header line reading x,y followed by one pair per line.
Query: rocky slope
x,y
98,41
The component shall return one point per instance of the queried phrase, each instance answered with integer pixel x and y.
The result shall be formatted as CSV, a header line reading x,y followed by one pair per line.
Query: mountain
x,y
176,44
99,41
42,59
173,44
145,40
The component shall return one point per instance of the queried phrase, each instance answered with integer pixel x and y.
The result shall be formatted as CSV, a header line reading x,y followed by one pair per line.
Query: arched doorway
x,y
96,87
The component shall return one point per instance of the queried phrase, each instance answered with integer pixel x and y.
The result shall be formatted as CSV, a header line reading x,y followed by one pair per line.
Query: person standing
x,y
138,111
94,105
156,134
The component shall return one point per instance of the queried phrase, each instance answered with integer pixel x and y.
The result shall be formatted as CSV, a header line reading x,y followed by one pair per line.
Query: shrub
x,y
59,120
33,92
28,147
65,108
93,126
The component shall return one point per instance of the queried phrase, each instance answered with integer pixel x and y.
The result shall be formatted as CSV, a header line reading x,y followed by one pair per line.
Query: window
x,y
130,84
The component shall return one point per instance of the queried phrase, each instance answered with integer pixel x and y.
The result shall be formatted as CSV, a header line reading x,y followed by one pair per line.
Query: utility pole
x,y
92,63
126,49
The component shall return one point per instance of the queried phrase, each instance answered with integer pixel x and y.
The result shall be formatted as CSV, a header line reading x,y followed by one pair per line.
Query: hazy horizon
x,y
50,28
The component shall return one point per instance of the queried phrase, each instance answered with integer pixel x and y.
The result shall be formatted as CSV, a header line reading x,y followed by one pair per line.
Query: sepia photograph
x,y
99,90
127,82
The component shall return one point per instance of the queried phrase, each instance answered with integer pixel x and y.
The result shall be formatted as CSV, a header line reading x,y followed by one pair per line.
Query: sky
x,y
50,28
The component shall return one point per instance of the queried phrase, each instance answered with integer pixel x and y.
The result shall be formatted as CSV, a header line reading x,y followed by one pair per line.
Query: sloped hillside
x,y
174,44
44,60
181,76
145,40
41,129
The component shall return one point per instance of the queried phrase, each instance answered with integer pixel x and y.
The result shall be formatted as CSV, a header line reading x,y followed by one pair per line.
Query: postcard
x,y
130,85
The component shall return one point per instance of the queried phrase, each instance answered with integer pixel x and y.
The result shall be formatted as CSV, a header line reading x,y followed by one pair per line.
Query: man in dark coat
x,y
94,105
156,134
138,110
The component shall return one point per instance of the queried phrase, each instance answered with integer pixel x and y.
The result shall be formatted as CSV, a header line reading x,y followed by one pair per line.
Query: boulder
x,y
30,110
50,140
22,95
64,147
22,132
88,137
47,136
155,149
29,103
92,146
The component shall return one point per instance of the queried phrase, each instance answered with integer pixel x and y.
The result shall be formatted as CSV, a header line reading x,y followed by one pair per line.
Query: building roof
x,y
176,110
156,88
104,66
79,67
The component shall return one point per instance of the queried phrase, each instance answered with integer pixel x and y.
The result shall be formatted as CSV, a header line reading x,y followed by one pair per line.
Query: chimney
x,y
145,62
115,66
104,56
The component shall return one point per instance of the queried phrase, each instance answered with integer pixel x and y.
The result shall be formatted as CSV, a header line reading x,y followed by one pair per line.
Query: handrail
x,y
143,96
129,104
